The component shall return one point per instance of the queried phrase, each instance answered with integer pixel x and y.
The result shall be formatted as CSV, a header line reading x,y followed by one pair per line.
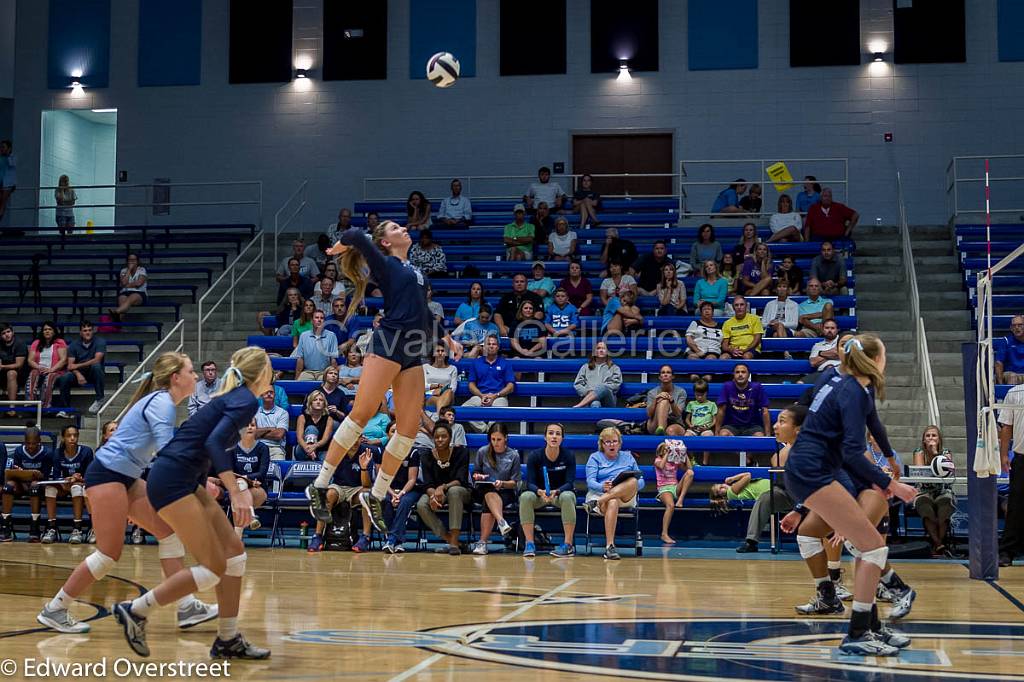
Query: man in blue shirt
x,y
456,210
491,381
85,366
1010,363
317,350
813,311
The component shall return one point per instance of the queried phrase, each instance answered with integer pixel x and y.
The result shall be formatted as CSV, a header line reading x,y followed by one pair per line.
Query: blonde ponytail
x,y
353,267
159,377
247,366
858,359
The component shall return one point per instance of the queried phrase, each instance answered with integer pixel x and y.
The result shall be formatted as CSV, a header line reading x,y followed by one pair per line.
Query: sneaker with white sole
x,y
504,527
564,551
867,644
133,626
195,613
902,603
883,593
76,537
50,536
529,550
61,621
237,647
138,538
374,509
892,637
843,593
821,606
480,548
95,407
611,553
64,415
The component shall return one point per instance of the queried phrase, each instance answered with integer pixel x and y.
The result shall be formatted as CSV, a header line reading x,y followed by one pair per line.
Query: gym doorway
x,y
81,144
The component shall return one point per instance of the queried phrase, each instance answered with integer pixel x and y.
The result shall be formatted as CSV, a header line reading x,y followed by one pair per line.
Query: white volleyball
x,y
443,70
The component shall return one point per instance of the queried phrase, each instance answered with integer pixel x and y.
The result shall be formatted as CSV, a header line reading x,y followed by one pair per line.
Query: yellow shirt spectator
x,y
740,333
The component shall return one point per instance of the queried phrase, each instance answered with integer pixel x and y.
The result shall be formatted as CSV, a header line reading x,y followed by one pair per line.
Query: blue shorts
x,y
97,474
801,485
411,351
169,482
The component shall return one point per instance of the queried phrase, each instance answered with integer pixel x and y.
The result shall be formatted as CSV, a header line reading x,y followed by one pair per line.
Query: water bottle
x,y
304,535
639,543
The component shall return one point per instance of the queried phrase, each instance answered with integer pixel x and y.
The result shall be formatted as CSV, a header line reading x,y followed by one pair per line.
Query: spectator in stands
x,y
529,335
508,306
730,272
616,283
824,353
491,381
829,269
617,250
496,476
307,266
741,333
323,299
814,310
456,210
304,323
781,315
1011,429
337,401
740,486
85,366
758,272
744,249
935,502
786,224
665,405
704,336
562,318
350,373
700,413
47,361
375,434
625,315
792,273
671,292
561,242
29,463
751,202
578,288
614,482
344,222
474,331
317,252
417,211
272,426
447,415
518,236
669,459
544,190
550,482
810,195
742,406
294,281
1010,358
705,248
280,395
65,197
648,268
445,483
315,351
251,463
543,225
428,256
331,270
433,306
313,428
471,308
829,219
599,380
12,361
335,324
287,314
131,288
728,200
711,288
8,178
372,221
205,389
441,379
586,201
542,285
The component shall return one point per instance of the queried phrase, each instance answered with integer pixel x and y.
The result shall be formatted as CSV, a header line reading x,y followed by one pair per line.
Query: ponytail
x,y
859,355
353,267
159,378
247,366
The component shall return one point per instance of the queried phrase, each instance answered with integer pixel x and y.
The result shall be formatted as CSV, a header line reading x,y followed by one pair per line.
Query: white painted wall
x,y
83,150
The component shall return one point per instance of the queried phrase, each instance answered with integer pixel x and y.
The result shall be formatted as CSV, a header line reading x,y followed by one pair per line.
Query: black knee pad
x,y
36,490
9,488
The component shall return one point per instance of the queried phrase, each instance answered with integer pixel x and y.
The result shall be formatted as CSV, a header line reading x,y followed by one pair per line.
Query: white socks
x,y
61,601
227,628
381,484
862,606
141,606
323,479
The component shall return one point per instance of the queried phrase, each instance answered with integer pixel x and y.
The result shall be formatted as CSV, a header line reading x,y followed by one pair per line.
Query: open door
x,y
81,144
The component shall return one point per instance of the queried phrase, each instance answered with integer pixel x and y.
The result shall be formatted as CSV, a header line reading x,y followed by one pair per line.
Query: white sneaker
x,y
480,548
843,593
61,621
63,415
195,613
504,527
95,407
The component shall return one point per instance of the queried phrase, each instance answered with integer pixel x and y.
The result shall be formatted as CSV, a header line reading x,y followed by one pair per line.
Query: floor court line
x,y
1003,591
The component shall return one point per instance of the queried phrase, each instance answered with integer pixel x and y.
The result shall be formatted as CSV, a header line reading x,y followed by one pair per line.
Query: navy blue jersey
x,y
207,439
252,464
875,426
402,475
64,467
41,461
561,472
348,473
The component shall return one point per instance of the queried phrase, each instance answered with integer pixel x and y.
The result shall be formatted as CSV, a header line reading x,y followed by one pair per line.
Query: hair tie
x,y
142,377
853,343
238,374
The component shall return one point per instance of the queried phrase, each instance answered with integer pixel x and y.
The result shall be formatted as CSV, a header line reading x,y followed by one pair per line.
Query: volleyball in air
x,y
943,466
443,70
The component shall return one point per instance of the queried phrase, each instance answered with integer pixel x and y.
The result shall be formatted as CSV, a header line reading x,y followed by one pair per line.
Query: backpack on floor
x,y
541,539
338,533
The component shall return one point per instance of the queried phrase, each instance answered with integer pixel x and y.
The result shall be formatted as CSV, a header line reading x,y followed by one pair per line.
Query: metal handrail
x,y
12,403
954,180
279,226
467,182
179,327
231,269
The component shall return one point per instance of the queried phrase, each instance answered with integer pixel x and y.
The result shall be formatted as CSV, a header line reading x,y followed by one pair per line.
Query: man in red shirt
x,y
829,219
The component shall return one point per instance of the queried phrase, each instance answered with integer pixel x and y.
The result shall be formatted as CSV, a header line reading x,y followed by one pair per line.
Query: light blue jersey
x,y
145,429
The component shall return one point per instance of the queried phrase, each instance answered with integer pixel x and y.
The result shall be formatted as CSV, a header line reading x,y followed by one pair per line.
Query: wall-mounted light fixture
x,y
624,74
74,82
302,73
878,57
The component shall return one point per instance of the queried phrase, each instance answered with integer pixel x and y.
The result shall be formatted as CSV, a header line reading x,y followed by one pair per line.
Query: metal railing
x,y
232,270
280,225
15,403
920,335
965,173
177,330
494,186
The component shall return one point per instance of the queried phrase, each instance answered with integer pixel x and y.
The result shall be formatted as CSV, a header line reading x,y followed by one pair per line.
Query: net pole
x,y
988,220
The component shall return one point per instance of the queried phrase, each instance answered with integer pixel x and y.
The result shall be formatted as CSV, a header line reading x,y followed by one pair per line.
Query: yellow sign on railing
x,y
780,176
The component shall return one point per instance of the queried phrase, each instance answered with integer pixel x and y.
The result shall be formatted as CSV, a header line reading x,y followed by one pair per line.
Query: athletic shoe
x,y
591,507
454,550
387,547
564,550
883,593
660,431
903,602
611,423
867,644
91,538
50,536
61,621
95,407
318,503
195,613
76,536
33,531
237,647
64,415
7,531
892,637
373,507
842,593
504,527
362,545
820,606
611,554
530,550
138,537
747,547
399,547
480,548
133,626
316,544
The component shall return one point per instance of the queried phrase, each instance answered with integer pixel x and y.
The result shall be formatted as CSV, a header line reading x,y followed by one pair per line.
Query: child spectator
x,y
669,458
561,242
496,476
550,481
562,316
598,382
700,414
792,273
472,332
751,202
738,487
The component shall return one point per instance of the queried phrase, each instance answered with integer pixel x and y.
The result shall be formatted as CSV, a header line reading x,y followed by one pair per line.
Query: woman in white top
x,y
786,224
615,283
132,291
441,379
561,242
704,336
66,198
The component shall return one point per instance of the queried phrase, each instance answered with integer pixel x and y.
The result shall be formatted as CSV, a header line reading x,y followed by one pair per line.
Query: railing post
x,y
234,272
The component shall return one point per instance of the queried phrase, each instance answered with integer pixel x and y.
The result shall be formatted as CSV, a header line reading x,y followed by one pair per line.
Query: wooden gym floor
x,y
500,617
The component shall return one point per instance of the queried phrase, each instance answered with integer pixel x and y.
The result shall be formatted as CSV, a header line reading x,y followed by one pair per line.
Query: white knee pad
x,y
399,446
51,492
204,577
77,490
347,434
809,546
878,557
99,564
236,566
170,547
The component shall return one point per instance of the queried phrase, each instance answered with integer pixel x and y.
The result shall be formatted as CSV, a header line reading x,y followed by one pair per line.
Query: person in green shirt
x,y
738,487
518,236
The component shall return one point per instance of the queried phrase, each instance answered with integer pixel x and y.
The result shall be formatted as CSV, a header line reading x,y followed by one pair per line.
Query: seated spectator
x,y
13,356
323,299
441,379
304,323
518,236
625,315
1009,359
782,315
447,414
131,288
47,361
205,389
758,272
491,381
578,288
728,200
671,292
586,201
336,324
456,210
561,242
288,312
334,230
473,331
648,268
741,333
542,285
280,395
711,288
85,366
351,478
529,336
669,459
471,308
824,353
599,380
810,195
614,482
308,267
252,464
337,401
372,221
751,202
65,198
616,283
704,336
350,373
318,252
428,256
375,433
705,248
331,270
544,190
316,350
550,482
665,404
313,428
700,413
496,476
786,224
445,483
744,249
508,306
272,425
417,212
738,487
401,498
730,272
562,318
814,310
69,465
742,406
433,306
617,250
543,225
792,273
30,463
294,281
829,219
935,502
829,268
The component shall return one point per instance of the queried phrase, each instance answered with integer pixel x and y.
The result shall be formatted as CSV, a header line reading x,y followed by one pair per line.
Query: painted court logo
x,y
710,649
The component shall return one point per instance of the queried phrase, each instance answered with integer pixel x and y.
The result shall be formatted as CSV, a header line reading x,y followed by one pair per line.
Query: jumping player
x,y
398,348
176,487
116,491
69,465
